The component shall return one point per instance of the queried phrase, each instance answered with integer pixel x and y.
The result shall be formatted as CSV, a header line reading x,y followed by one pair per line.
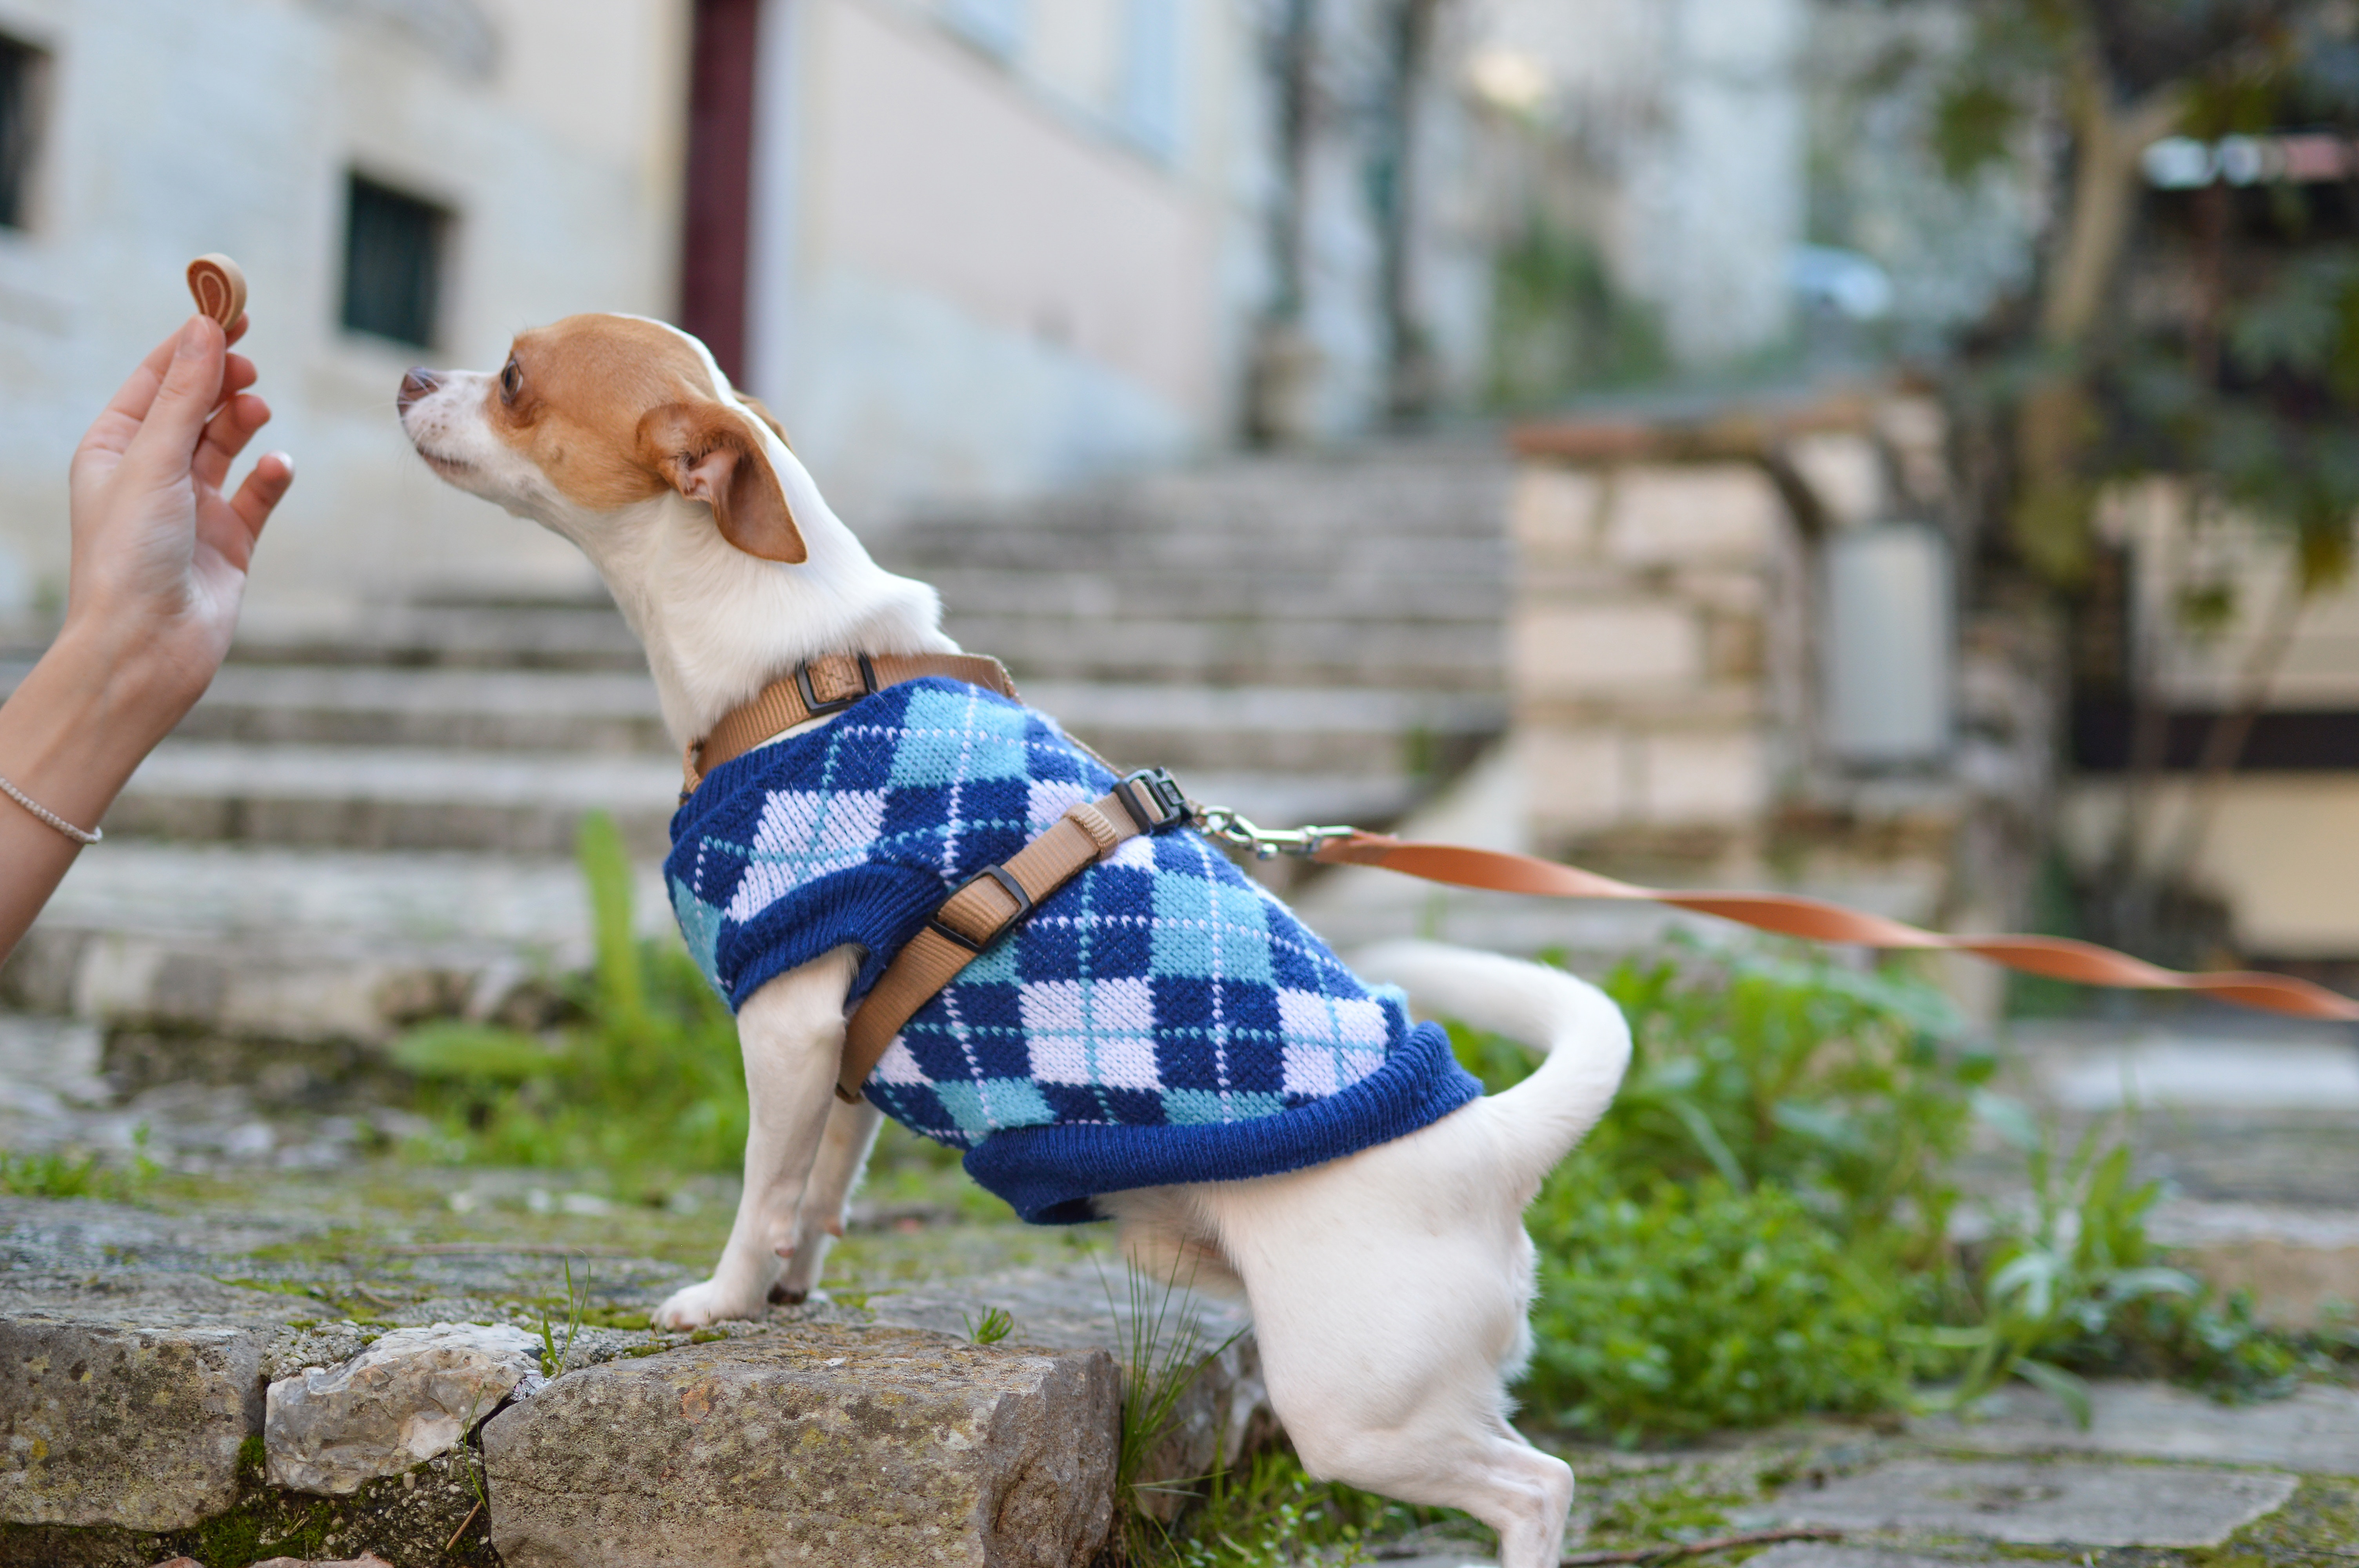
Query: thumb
x,y
192,384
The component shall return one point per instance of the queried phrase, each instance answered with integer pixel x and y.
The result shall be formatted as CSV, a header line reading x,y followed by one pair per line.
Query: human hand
x,y
159,552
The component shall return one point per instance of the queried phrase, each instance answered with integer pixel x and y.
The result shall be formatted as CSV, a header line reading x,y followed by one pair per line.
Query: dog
x,y
1389,1285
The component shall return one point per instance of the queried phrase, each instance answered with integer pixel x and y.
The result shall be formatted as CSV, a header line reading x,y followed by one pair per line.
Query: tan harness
x,y
997,897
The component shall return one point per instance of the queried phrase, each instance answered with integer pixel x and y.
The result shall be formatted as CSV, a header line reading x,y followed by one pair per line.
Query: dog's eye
x,y
511,381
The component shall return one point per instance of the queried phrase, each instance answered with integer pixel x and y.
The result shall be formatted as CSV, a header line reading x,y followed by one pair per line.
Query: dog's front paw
x,y
709,1303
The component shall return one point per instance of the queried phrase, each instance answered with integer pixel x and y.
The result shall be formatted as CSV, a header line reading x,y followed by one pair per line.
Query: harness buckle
x,y
1153,799
1007,885
817,709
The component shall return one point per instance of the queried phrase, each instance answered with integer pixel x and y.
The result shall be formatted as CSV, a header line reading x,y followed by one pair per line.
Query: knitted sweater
x,y
1159,1019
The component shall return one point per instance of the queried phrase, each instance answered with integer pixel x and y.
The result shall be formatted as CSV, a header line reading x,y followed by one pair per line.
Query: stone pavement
x,y
221,1380
2267,1483
232,1382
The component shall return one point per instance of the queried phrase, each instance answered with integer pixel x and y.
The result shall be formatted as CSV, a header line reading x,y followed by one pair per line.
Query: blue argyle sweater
x,y
1159,1019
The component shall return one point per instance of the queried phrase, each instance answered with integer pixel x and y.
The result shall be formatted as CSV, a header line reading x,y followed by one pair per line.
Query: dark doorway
x,y
718,221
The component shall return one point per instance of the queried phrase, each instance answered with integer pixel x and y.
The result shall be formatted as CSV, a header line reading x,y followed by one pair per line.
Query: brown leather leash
x,y
997,897
1787,914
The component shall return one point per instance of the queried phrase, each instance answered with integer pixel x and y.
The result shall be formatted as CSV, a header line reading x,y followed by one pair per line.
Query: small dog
x,y
1389,1284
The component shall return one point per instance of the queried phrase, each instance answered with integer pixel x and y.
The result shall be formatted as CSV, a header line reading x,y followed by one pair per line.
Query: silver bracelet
x,y
51,817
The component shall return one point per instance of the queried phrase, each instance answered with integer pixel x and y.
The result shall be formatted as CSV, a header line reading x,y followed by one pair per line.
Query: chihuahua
x,y
1367,1201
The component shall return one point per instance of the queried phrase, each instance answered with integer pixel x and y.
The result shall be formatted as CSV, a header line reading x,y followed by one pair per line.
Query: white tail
x,y
1586,1039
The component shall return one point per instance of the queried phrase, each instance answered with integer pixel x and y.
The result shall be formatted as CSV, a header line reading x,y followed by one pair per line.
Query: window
x,y
393,263
1151,74
22,70
996,25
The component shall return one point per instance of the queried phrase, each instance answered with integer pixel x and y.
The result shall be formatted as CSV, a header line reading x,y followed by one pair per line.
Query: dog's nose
x,y
416,381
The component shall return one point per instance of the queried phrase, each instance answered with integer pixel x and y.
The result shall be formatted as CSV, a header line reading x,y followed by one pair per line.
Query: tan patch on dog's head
x,y
615,410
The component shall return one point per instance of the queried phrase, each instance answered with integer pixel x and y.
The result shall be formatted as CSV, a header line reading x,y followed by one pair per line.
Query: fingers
x,y
226,437
192,385
263,489
237,328
115,428
237,374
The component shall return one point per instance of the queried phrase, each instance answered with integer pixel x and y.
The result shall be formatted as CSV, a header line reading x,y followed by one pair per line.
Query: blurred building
x,y
1668,135
402,181
967,248
990,247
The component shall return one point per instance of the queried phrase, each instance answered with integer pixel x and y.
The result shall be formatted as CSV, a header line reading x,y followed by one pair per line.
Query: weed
x,y
2082,1288
1273,1513
63,1175
1760,1225
1681,1309
646,1080
997,1324
555,1354
1161,1360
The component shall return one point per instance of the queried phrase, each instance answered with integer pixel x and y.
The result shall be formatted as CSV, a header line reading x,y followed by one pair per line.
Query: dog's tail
x,y
1586,1039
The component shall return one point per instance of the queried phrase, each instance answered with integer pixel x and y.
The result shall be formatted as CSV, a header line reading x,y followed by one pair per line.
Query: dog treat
x,y
220,288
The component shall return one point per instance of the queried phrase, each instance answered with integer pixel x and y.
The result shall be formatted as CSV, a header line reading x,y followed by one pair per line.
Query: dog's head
x,y
598,423
622,435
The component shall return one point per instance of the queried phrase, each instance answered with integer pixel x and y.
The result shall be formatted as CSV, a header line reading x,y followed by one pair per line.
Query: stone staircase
x,y
1298,637
372,823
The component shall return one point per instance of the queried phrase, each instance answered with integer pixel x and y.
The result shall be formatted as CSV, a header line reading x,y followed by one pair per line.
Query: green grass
x,y
644,1083
67,1175
1759,1228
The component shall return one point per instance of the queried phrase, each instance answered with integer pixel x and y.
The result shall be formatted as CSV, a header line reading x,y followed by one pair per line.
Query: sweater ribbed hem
x,y
1049,1174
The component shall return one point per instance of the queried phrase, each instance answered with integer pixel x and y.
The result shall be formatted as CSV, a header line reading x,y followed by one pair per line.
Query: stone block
x,y
1223,1412
1606,649
126,1426
1736,648
1553,514
1845,472
2049,1503
1717,512
406,1398
2315,1428
1575,781
835,1447
1689,778
1827,1554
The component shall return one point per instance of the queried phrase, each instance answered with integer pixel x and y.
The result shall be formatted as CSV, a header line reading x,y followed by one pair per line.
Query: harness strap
x,y
992,902
820,687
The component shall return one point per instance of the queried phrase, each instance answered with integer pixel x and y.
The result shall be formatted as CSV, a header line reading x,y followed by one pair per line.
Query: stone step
x,y
1355,494
1306,735
267,758
386,797
585,634
1403,655
254,941
151,1354
604,711
1422,592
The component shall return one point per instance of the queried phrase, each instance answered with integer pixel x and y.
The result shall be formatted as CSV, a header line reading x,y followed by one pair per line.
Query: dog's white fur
x,y
1389,1289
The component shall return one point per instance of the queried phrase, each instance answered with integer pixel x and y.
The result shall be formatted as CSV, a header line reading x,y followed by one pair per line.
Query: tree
x,y
2212,337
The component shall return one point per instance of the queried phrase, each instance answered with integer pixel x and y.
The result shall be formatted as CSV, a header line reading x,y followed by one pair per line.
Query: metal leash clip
x,y
1264,843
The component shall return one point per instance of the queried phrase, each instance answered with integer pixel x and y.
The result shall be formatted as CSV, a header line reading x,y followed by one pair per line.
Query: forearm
x,y
70,738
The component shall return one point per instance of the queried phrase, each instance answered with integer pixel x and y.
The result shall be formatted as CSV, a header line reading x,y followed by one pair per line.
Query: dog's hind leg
x,y
791,1032
818,1220
1389,1292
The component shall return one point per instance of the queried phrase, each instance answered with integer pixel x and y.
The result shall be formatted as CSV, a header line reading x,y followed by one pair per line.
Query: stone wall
x,y
1656,678
1675,676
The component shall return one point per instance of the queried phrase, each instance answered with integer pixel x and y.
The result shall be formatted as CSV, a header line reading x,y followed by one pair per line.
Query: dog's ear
x,y
761,411
708,453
